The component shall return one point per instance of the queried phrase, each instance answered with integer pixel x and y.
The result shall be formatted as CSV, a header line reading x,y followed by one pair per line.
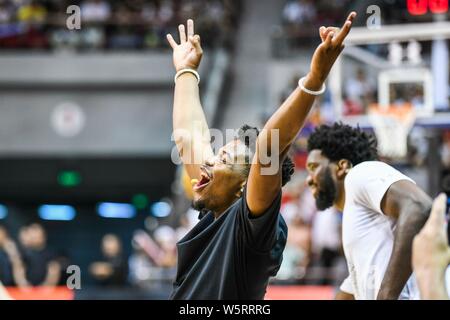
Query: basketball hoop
x,y
392,125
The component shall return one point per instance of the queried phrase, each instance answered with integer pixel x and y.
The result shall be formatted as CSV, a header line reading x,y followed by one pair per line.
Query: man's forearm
x,y
291,115
410,222
187,106
191,131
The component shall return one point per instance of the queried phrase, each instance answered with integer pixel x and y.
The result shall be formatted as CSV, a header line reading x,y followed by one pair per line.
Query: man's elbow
x,y
424,207
418,210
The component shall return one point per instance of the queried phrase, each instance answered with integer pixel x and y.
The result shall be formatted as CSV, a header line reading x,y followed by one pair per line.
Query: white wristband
x,y
314,93
195,73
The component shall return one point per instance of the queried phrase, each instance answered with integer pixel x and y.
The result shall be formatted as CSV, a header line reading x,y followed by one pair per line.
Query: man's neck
x,y
218,212
339,204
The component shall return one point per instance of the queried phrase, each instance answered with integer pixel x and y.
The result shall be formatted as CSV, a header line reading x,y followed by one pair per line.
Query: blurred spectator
x,y
6,11
92,38
165,237
352,107
30,31
112,270
65,39
293,83
313,253
95,10
124,35
417,98
140,266
166,12
418,146
94,13
24,237
359,93
41,266
107,24
299,12
149,11
326,242
187,222
33,12
60,37
445,151
300,20
64,261
296,256
161,255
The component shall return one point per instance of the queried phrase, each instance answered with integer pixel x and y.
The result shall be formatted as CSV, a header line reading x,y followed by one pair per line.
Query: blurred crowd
x,y
313,254
298,14
27,260
112,24
300,19
360,92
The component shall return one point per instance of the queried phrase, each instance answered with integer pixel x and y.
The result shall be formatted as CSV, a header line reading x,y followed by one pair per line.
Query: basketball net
x,y
392,125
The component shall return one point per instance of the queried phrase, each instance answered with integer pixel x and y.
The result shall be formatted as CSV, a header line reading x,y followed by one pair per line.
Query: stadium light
x,y
160,209
69,179
140,201
56,212
116,210
3,211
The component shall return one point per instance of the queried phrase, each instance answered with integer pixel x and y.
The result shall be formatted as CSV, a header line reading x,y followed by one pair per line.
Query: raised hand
x,y
430,247
431,253
330,48
188,53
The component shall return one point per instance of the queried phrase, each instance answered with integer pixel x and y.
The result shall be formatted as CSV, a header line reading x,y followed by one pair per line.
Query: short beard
x,y
200,206
327,193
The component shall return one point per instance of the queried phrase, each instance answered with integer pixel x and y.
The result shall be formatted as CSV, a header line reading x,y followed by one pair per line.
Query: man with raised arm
x,y
237,246
382,210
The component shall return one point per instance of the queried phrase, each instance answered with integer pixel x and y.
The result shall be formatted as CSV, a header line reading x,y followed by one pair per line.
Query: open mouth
x,y
204,181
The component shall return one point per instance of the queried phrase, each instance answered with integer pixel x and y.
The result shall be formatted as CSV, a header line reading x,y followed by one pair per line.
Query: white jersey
x,y
447,280
367,233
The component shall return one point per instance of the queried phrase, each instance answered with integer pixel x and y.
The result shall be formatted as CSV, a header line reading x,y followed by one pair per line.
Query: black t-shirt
x,y
36,263
232,257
